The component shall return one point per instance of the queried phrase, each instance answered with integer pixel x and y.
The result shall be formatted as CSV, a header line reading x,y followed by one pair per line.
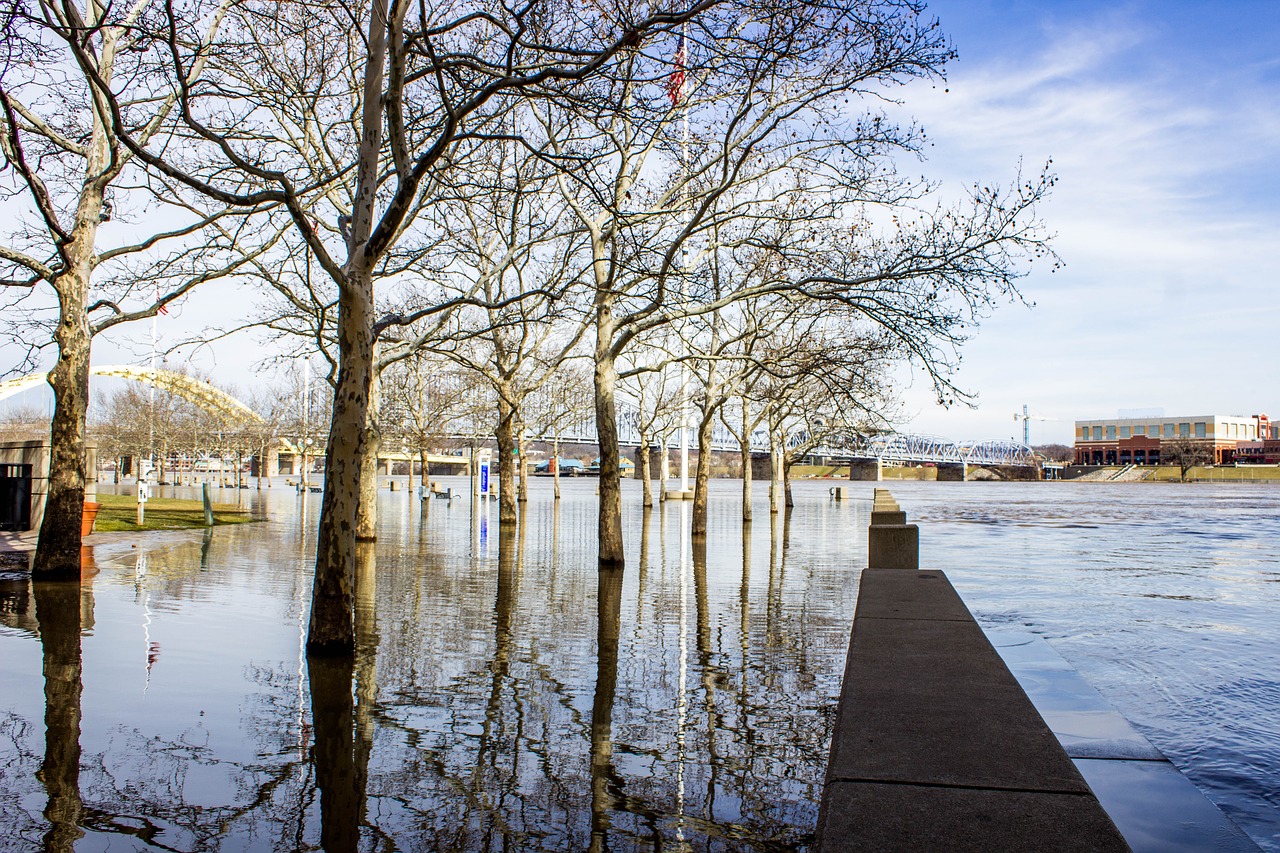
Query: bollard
x,y
208,506
891,542
893,546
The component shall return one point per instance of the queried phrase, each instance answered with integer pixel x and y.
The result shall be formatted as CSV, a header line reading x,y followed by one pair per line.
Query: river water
x,y
493,705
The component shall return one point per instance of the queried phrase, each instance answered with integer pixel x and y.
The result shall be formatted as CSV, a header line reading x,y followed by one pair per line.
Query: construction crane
x,y
1026,418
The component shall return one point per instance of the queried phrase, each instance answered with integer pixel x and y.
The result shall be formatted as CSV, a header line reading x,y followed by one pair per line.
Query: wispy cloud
x,y
1166,213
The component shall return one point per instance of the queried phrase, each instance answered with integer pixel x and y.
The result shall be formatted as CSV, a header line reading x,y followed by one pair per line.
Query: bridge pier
x,y
866,470
950,472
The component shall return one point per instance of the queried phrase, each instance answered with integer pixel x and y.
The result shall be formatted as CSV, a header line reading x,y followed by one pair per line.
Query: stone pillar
x,y
891,542
866,470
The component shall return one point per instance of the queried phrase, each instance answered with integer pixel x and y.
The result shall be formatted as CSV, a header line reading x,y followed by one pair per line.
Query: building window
x,y
1111,432
1140,430
1184,430
1168,430
1125,432
1200,430
1097,433
1084,433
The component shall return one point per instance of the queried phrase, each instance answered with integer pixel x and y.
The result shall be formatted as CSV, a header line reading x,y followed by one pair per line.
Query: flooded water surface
x,y
506,695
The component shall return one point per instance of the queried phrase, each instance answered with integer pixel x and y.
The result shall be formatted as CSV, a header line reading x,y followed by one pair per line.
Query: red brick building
x,y
1136,440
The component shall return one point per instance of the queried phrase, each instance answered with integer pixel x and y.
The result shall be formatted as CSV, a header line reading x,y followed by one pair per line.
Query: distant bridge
x,y
914,449
198,391
893,448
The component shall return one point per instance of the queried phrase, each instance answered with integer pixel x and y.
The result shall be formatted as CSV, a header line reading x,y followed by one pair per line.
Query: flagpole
x,y
682,56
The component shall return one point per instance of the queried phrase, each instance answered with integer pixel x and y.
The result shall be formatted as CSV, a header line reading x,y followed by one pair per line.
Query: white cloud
x,y
1164,213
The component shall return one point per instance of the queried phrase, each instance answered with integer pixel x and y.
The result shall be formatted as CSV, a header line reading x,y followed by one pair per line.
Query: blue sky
x,y
1163,121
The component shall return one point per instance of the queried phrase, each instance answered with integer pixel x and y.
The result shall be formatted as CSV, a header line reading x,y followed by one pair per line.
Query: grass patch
x,y
120,512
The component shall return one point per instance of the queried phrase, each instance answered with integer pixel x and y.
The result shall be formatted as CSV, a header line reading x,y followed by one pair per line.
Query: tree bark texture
x,y
523,445
367,517
331,629
644,465
606,380
505,433
702,475
744,445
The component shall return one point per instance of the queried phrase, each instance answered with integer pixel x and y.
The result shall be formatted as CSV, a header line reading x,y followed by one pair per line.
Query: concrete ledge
x,y
936,746
909,818
893,546
884,516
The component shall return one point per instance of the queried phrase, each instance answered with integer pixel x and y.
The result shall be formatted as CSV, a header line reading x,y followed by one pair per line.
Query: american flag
x,y
675,84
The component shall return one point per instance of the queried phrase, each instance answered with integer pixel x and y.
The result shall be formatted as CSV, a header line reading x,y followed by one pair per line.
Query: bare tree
x,y
1186,453
60,134
749,147
425,395
562,402
426,78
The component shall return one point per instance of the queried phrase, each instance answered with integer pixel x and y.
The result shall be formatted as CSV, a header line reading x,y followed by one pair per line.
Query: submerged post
x,y
208,506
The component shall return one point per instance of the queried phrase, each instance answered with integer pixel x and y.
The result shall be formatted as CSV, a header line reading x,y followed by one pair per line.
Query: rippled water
x,y
1166,597
495,706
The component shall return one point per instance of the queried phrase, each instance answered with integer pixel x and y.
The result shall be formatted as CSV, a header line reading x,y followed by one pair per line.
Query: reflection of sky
x,y
485,681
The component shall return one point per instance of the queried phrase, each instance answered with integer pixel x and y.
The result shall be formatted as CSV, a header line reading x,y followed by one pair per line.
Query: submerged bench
x,y
936,746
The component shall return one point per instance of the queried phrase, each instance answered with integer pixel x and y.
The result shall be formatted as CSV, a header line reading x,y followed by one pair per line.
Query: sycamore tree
x,y
427,80
762,133
89,240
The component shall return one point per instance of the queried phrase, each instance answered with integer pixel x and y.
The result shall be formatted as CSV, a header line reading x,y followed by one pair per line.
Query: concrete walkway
x,y
936,746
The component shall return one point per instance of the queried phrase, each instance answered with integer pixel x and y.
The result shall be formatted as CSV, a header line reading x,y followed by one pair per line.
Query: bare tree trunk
x,y
744,444
522,444
367,517
645,468
786,479
331,628
366,667
505,434
702,477
58,551
666,471
425,473
555,465
775,474
606,380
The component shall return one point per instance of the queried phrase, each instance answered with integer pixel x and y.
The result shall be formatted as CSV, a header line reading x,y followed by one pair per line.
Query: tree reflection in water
x,y
508,697
58,612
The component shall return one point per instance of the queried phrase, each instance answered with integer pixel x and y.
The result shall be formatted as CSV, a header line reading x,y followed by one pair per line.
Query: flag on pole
x,y
675,83
161,308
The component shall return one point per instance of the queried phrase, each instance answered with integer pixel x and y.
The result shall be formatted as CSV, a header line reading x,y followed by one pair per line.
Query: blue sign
x,y
484,478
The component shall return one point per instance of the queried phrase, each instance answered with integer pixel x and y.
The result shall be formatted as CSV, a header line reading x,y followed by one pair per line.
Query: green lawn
x,y
120,512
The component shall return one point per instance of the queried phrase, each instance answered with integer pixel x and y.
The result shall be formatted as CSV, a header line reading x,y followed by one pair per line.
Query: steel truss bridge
x,y
894,448
911,449
196,390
